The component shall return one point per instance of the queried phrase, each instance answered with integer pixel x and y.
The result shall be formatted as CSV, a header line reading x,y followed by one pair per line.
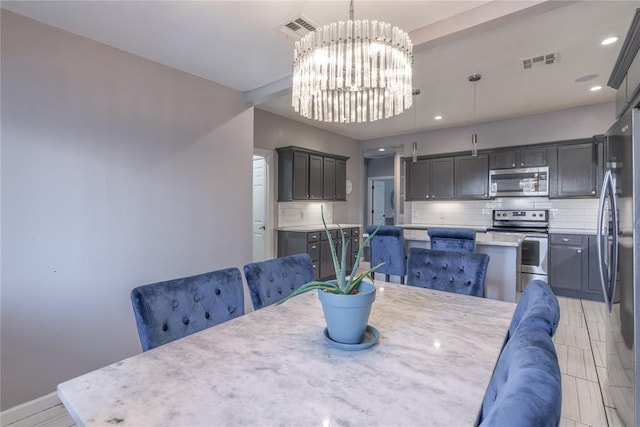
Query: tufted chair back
x,y
166,311
388,246
537,307
525,389
459,272
271,280
452,239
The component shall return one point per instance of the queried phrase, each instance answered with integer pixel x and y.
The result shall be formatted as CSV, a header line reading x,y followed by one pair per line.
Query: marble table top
x,y
490,238
431,366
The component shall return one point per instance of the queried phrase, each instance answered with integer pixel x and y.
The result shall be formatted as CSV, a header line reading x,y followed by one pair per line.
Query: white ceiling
x,y
238,44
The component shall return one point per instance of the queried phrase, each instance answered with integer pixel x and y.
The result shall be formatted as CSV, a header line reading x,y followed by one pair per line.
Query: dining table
x,y
427,364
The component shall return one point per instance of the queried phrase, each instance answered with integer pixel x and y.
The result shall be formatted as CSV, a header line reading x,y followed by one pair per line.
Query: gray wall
x,y
116,172
273,131
560,125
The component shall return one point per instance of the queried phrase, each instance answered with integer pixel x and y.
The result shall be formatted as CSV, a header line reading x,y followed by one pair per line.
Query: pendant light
x,y
474,137
352,72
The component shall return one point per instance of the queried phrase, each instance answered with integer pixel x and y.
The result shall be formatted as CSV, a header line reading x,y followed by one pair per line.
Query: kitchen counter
x,y
317,227
479,228
491,238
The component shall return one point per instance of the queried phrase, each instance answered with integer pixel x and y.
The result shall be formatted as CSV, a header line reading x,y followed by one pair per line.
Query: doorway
x,y
261,224
381,200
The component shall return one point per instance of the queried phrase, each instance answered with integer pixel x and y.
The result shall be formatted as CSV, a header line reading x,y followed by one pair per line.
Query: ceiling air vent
x,y
548,59
298,27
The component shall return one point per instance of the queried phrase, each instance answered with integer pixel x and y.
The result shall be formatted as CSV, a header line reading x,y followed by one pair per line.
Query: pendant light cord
x,y
351,10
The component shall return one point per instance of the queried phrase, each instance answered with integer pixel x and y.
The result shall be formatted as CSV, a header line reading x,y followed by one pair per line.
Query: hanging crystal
x,y
352,71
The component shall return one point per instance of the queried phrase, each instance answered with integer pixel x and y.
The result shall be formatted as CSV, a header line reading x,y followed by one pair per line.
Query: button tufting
x,y
218,292
185,321
280,291
165,327
451,279
175,303
207,315
197,298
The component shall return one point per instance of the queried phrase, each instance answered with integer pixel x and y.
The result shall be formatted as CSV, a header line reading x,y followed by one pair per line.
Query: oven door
x,y
534,254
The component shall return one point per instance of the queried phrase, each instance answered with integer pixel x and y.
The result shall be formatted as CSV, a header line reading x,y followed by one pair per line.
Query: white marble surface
x,y
320,227
493,239
431,367
479,228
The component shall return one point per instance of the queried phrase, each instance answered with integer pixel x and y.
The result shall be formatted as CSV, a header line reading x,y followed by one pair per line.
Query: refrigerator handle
x,y
613,265
600,237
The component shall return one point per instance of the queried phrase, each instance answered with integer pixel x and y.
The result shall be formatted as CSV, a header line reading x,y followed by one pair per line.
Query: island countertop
x,y
490,238
274,367
307,228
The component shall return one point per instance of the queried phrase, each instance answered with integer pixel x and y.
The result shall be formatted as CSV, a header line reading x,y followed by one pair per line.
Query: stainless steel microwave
x,y
519,182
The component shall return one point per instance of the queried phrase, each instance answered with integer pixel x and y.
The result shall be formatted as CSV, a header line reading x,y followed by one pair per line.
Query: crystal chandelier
x,y
352,72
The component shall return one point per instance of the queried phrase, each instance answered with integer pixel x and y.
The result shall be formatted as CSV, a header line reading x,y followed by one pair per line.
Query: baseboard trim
x,y
27,409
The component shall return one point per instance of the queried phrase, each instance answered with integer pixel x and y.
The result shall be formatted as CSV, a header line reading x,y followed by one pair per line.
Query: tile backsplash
x,y
291,214
564,213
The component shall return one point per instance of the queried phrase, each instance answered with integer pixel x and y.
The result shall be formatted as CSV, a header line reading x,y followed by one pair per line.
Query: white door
x,y
381,200
259,208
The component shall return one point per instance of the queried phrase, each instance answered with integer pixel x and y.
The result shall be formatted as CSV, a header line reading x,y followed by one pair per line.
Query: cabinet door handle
x,y
513,165
427,196
313,247
522,164
564,239
579,251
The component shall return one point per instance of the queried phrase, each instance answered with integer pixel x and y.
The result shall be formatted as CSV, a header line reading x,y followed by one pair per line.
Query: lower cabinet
x,y
316,244
573,266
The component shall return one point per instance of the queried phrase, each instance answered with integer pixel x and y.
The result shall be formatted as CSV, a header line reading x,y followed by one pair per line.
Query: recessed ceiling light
x,y
380,149
437,118
609,40
596,88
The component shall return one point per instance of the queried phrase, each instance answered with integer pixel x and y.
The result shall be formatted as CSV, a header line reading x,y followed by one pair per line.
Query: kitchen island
x,y
505,252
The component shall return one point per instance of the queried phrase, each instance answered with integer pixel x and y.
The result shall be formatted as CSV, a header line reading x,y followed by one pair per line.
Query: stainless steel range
x,y
534,224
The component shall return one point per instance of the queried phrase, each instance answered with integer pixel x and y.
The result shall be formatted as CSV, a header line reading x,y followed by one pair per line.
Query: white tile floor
x,y
579,343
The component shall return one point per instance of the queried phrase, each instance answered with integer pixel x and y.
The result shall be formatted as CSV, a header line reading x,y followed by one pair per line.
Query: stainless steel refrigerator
x,y
619,261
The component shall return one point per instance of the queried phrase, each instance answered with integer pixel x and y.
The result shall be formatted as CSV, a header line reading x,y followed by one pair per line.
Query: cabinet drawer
x,y
355,243
346,232
333,233
313,249
313,237
566,239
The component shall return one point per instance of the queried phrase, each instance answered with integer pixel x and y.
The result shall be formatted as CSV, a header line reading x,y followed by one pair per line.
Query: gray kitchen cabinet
x,y
575,171
341,179
430,179
572,258
310,175
316,177
316,244
524,158
329,182
417,179
472,177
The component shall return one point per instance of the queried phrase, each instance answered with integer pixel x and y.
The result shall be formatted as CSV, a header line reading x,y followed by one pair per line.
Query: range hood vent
x,y
298,27
536,61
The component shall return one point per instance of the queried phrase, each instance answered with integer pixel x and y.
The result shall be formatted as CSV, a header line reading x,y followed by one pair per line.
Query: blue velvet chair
x,y
388,246
459,272
271,280
173,309
537,307
525,389
452,239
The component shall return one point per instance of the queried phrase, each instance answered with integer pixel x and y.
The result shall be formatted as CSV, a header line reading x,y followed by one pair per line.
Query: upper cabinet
x,y
471,177
430,179
310,175
575,170
524,158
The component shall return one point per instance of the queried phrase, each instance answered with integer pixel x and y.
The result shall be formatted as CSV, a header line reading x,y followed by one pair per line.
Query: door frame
x,y
370,194
269,205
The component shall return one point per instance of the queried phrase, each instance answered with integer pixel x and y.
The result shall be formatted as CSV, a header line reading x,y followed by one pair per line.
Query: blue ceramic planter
x,y
347,316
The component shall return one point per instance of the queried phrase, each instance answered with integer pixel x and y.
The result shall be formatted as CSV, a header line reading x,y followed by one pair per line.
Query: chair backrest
x,y
525,389
387,246
169,310
459,272
452,239
538,307
271,280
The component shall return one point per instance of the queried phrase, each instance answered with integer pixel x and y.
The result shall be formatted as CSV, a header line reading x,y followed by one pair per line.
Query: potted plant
x,y
346,300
